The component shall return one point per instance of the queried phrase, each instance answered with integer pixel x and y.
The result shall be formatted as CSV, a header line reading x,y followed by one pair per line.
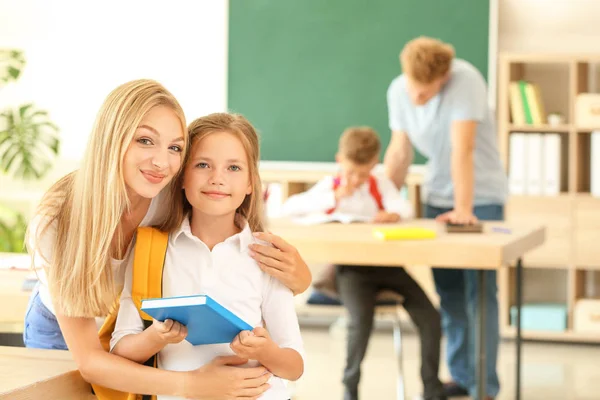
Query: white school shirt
x,y
231,277
321,197
43,248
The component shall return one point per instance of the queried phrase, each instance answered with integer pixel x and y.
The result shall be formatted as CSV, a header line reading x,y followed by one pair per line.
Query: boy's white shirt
x,y
321,197
230,276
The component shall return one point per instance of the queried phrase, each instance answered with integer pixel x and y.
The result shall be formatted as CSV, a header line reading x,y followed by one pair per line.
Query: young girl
x,y
208,254
79,240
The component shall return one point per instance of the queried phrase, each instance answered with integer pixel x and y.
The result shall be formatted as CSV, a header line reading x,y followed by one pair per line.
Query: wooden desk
x,y
40,374
355,244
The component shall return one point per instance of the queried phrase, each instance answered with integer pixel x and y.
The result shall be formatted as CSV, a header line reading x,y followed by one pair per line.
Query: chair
x,y
388,303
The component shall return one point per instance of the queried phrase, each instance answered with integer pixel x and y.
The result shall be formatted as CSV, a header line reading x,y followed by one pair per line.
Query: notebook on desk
x,y
207,321
322,218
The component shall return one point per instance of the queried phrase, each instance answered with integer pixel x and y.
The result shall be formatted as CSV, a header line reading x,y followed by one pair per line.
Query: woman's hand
x,y
223,379
282,261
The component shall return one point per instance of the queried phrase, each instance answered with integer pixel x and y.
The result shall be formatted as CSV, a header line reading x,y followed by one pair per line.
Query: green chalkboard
x,y
303,70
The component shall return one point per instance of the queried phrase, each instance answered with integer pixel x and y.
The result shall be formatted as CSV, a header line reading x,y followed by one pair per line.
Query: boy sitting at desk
x,y
357,192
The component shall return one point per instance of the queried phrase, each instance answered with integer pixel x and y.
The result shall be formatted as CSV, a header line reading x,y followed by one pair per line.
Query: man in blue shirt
x,y
439,105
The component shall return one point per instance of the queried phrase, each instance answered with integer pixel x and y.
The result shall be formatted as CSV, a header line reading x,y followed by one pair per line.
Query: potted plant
x,y
29,143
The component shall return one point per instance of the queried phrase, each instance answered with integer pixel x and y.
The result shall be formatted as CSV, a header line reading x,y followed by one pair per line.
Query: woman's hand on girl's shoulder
x,y
282,261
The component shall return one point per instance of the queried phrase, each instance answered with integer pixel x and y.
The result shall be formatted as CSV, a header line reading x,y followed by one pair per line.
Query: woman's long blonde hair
x,y
87,205
251,208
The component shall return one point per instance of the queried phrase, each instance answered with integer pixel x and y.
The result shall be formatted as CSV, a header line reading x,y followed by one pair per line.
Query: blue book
x,y
207,321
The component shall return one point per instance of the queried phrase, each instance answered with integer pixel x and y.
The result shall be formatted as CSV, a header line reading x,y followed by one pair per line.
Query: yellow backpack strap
x,y
148,262
105,334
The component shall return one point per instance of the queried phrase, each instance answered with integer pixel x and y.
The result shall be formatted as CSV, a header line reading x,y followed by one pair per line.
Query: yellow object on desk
x,y
404,233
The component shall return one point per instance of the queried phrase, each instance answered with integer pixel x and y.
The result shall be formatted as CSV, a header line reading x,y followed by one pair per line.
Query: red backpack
x,y
373,190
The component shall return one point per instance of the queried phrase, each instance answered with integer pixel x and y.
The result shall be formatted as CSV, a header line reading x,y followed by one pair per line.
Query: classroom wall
x,y
73,62
555,26
302,72
78,51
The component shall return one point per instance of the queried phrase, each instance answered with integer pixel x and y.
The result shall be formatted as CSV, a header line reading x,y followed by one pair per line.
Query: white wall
x,y
549,26
78,51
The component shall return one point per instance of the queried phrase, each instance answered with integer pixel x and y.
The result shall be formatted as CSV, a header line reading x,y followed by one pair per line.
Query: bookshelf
x,y
569,262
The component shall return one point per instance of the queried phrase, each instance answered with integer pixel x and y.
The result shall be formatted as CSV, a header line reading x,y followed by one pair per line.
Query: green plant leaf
x,y
9,157
3,138
12,62
5,238
14,72
23,110
13,226
29,143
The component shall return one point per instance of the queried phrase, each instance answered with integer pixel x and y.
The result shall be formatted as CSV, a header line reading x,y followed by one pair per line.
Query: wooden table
x,y
356,244
40,374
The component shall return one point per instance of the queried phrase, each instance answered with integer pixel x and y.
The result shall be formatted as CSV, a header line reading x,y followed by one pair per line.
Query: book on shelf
x,y
535,162
526,104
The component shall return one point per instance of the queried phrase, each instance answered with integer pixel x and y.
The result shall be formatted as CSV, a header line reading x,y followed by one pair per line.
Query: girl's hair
x,y
251,208
86,206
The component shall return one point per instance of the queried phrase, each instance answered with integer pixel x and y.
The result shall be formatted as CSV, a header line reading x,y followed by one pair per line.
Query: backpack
x,y
148,262
373,190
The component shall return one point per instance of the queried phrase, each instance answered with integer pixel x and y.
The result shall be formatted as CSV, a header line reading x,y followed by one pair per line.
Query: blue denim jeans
x,y
41,327
458,291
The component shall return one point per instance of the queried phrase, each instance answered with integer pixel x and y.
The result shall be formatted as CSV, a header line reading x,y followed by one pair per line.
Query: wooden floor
x,y
550,371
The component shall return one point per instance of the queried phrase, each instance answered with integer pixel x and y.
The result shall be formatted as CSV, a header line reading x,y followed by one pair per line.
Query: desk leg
x,y
481,375
519,339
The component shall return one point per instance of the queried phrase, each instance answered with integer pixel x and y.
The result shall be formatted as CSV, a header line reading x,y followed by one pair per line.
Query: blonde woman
x,y
81,235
